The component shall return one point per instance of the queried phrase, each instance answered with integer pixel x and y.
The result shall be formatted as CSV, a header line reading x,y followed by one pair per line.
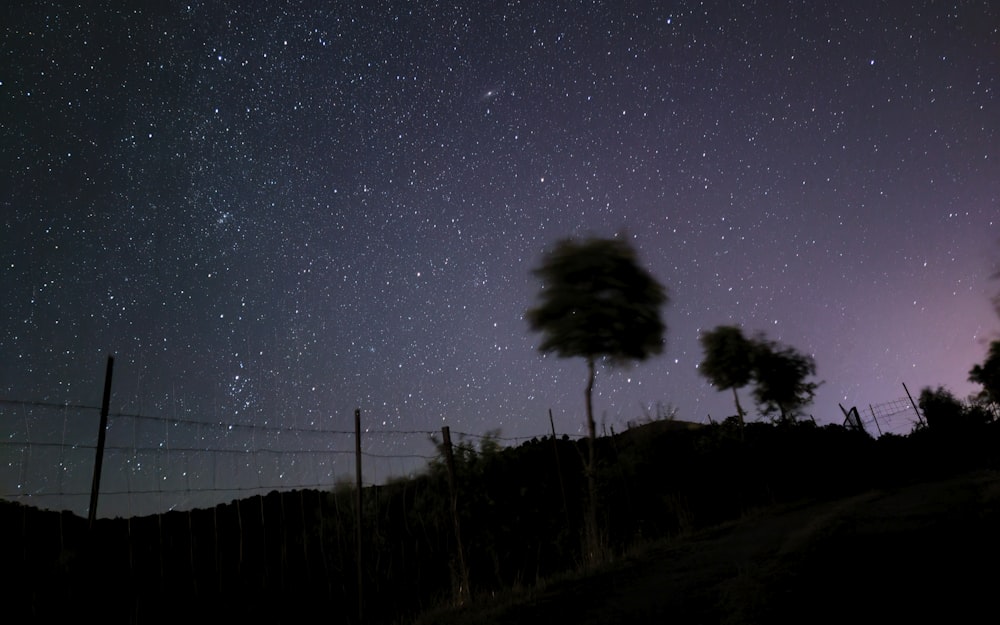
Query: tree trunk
x,y
739,411
592,536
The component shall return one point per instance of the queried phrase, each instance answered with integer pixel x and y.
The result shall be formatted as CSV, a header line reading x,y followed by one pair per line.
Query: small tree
x,y
945,413
597,303
988,375
780,373
728,362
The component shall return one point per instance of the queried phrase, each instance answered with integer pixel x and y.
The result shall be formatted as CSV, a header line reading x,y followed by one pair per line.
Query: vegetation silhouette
x,y
944,413
596,302
987,374
283,556
779,373
728,362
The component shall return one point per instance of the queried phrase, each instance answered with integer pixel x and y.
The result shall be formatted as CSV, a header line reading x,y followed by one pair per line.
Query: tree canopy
x,y
988,374
781,376
944,412
779,373
728,362
597,302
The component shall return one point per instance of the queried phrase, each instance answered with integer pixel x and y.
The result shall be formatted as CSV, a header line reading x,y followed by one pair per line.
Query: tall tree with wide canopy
x,y
728,362
597,303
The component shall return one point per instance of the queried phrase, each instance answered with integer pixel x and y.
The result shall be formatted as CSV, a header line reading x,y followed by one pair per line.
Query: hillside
x,y
754,528
920,553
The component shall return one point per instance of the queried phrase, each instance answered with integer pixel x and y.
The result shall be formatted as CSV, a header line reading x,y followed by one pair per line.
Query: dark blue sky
x,y
275,213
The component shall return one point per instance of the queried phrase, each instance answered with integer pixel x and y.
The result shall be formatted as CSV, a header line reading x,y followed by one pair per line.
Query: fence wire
x,y
153,464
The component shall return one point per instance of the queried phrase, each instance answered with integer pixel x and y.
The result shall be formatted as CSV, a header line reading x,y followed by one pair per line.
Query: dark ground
x,y
923,553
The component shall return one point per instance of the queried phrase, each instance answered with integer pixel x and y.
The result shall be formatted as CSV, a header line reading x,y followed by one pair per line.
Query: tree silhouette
x,y
988,374
945,413
596,302
728,362
780,374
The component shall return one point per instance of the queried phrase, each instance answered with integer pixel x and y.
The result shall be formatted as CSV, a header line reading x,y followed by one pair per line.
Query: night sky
x,y
275,213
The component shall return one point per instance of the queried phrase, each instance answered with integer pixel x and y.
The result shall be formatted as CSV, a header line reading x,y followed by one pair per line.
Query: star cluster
x,y
276,213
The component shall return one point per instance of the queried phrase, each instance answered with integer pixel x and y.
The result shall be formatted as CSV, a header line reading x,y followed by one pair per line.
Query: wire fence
x,y
153,464
898,416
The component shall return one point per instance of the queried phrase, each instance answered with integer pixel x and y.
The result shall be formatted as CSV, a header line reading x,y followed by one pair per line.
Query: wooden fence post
x,y
562,485
877,426
357,505
464,592
95,487
920,417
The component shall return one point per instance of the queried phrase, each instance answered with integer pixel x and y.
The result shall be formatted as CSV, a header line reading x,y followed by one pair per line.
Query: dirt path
x,y
923,553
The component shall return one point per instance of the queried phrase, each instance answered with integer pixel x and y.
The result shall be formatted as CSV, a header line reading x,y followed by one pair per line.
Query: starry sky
x,y
275,213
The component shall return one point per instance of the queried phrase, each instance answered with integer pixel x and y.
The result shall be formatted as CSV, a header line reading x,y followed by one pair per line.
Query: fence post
x,y
920,417
464,592
101,436
357,506
562,485
877,426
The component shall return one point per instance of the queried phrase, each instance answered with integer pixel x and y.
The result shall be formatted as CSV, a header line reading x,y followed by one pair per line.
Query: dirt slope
x,y
922,553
